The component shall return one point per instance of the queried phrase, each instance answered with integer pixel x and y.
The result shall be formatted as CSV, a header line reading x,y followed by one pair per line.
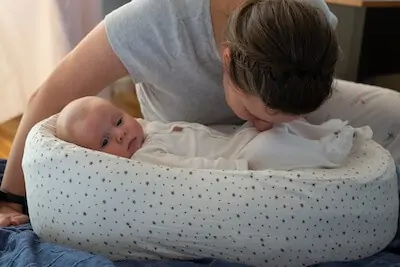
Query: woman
x,y
275,59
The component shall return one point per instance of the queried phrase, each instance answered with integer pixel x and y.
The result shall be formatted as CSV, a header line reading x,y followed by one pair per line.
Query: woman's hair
x,y
283,51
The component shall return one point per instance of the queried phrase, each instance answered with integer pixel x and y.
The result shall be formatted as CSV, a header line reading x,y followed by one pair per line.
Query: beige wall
x,y
349,30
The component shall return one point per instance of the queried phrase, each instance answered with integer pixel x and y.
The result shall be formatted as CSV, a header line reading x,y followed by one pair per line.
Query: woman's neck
x,y
220,12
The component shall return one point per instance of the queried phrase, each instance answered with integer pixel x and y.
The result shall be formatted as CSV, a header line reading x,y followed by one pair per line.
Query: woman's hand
x,y
11,215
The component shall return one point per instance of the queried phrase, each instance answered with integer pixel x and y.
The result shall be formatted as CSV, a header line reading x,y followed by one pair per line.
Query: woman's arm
x,y
86,70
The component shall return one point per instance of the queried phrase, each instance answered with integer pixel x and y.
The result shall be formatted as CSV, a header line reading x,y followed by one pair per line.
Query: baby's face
x,y
110,130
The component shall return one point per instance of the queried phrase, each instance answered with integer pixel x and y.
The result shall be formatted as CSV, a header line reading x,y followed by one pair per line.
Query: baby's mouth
x,y
131,143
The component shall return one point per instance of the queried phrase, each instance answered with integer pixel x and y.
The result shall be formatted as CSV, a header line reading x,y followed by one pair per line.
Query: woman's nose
x,y
262,126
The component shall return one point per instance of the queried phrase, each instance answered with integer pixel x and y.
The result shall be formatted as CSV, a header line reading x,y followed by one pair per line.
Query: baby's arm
x,y
160,157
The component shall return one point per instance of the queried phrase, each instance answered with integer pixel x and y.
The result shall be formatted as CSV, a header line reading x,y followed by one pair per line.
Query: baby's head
x,y
95,123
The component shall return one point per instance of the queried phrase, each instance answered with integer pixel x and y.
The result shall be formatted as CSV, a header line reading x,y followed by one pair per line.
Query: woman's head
x,y
279,60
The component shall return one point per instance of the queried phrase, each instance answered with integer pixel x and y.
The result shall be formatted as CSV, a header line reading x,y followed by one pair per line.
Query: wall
x,y
110,5
349,30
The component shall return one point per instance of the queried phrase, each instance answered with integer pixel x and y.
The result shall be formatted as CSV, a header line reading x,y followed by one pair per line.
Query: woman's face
x,y
251,108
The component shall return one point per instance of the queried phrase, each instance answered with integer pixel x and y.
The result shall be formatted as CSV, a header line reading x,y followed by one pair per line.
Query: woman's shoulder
x,y
150,36
156,11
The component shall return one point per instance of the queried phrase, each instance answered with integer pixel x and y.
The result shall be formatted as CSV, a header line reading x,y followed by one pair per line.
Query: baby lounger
x,y
126,209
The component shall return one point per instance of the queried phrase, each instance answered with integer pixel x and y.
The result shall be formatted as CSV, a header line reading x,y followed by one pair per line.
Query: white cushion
x,y
125,209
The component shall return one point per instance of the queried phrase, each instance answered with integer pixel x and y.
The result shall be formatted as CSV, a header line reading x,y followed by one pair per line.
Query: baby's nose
x,y
120,134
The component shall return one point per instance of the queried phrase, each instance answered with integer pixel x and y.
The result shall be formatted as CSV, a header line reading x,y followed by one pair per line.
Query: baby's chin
x,y
133,153
130,156
125,155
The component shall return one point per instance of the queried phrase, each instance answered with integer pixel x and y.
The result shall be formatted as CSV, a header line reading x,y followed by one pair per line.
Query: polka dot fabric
x,y
125,209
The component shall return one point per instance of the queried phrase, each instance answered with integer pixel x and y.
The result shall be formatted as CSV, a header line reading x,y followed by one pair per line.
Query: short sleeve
x,y
141,34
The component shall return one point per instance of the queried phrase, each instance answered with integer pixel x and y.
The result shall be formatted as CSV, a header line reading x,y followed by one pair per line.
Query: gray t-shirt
x,y
169,49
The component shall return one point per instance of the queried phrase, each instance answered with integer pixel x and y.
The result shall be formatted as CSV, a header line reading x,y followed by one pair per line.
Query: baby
x,y
96,124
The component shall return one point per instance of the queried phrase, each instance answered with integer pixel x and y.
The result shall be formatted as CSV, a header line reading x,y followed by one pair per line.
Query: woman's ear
x,y
226,57
226,53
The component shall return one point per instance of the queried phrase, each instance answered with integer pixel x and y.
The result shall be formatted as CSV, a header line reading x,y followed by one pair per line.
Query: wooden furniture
x,y
7,133
366,3
368,36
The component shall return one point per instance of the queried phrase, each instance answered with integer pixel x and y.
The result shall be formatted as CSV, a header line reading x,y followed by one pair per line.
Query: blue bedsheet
x,y
20,247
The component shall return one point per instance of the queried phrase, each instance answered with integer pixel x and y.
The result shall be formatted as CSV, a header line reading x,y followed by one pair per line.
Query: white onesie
x,y
287,146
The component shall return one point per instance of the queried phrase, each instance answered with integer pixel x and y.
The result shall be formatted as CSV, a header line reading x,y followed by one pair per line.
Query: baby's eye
x,y
119,122
104,143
